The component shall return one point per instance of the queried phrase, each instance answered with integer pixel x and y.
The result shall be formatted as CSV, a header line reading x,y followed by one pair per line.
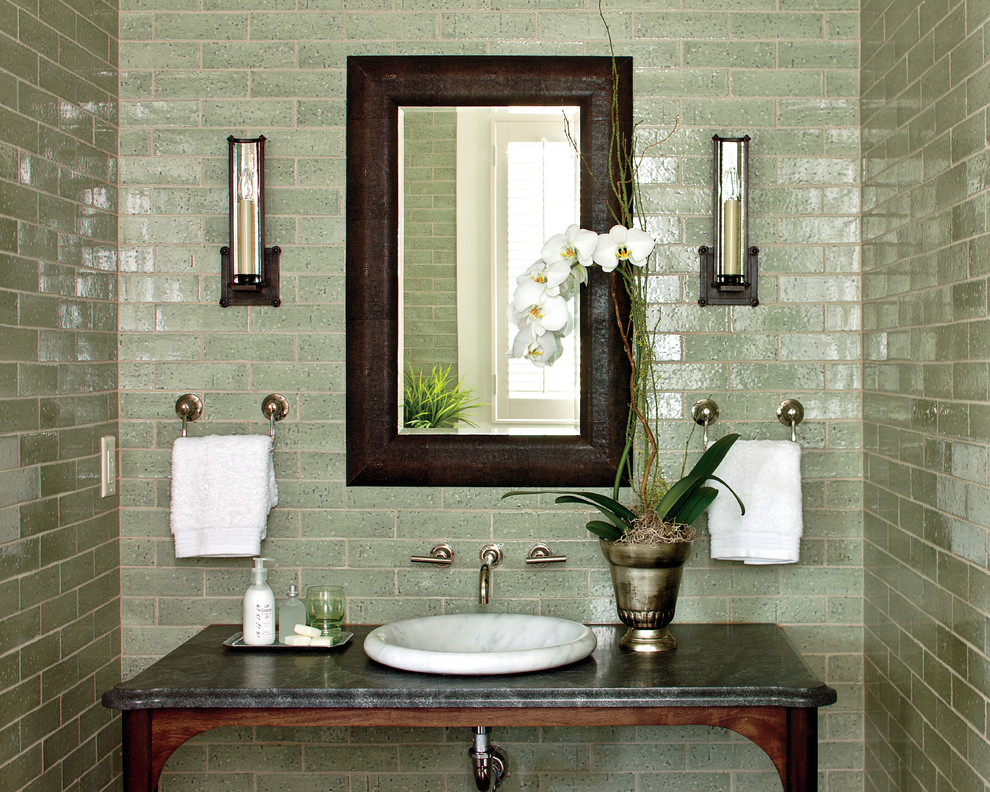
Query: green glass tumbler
x,y
325,609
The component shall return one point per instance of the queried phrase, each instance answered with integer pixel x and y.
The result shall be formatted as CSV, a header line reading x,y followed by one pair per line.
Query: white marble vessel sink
x,y
480,643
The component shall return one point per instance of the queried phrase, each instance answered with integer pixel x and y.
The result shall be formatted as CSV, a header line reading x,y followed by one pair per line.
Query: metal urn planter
x,y
646,579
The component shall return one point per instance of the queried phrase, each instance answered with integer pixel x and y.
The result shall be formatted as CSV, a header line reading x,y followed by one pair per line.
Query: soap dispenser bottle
x,y
291,612
259,608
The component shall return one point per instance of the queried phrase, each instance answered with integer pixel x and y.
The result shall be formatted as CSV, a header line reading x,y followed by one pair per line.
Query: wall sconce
x,y
728,269
249,270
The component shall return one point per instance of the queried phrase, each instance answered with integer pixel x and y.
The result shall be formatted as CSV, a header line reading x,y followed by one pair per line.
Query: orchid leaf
x,y
713,457
675,501
617,513
604,502
695,506
605,530
513,493
679,492
742,506
612,516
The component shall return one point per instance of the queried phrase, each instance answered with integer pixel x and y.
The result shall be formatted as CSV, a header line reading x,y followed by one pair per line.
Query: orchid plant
x,y
662,511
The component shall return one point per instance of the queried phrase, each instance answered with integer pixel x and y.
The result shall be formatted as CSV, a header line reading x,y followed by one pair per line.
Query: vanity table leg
x,y
136,748
802,750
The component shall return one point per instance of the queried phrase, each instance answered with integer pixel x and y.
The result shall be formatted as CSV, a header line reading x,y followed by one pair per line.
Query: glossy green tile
x,y
19,60
181,113
202,26
189,201
811,54
684,83
677,25
698,53
793,26
486,26
239,113
733,114
277,83
138,230
573,25
286,25
180,84
247,54
789,84
83,64
8,19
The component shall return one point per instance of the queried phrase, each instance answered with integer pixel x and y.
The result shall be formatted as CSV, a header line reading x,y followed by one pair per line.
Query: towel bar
x,y
189,407
790,412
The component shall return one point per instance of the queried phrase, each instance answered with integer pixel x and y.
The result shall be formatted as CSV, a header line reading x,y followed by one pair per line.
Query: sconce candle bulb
x,y
731,236
249,270
728,270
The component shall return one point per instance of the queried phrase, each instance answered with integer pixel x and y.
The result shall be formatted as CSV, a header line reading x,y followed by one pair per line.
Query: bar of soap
x,y
323,640
297,640
304,629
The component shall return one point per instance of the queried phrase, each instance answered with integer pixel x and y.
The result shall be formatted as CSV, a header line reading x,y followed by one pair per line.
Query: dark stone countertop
x,y
713,665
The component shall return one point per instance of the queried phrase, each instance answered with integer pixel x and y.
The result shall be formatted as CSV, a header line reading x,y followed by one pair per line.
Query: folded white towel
x,y
766,474
222,491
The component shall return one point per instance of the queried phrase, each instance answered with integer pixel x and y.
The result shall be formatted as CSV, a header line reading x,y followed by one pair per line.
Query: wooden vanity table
x,y
745,677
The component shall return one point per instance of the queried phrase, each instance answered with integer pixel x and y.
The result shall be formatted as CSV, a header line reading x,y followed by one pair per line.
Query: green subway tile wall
x,y
195,71
926,344
59,550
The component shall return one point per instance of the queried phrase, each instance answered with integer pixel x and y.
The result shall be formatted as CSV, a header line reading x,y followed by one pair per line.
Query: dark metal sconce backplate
x,y
264,293
714,293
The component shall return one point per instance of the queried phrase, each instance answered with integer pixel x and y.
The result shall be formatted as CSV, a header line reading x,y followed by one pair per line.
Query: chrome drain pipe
x,y
489,761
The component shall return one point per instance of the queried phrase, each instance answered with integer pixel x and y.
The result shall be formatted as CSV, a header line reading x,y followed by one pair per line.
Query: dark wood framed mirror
x,y
377,452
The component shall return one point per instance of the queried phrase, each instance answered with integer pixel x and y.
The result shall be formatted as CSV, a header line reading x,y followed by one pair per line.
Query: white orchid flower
x,y
578,276
623,244
540,350
534,306
550,276
574,246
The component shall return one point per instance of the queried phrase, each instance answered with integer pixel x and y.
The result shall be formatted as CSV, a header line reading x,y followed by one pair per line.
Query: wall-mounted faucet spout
x,y
491,556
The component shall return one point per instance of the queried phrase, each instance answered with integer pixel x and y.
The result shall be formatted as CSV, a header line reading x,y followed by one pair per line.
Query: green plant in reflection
x,y
435,400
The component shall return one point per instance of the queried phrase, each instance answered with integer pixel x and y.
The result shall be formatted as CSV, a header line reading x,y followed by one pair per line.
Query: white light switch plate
x,y
108,466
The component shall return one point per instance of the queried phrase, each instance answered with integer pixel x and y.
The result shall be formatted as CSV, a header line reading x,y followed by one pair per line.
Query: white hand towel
x,y
222,491
766,474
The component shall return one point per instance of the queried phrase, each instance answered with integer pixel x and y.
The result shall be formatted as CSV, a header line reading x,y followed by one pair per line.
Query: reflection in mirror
x,y
378,453
482,189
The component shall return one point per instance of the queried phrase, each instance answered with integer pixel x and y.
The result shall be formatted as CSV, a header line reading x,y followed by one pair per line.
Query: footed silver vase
x,y
646,579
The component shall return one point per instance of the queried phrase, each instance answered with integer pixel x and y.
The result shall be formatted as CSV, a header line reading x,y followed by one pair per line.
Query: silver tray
x,y
236,641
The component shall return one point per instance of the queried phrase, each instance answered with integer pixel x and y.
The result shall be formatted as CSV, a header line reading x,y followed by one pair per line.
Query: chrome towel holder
x,y
189,407
790,412
274,408
705,413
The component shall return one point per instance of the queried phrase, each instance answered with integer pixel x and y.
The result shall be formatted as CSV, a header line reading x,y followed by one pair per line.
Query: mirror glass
x,y
437,298
482,189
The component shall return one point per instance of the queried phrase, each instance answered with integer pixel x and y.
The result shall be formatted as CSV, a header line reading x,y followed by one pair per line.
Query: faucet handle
x,y
492,554
541,555
441,555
